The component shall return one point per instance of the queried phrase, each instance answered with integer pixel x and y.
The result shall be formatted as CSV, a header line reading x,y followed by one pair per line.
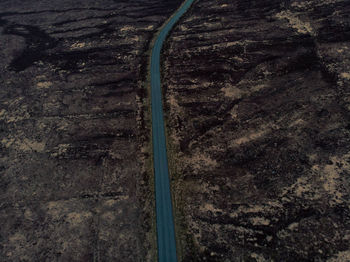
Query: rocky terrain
x,y
258,111
74,185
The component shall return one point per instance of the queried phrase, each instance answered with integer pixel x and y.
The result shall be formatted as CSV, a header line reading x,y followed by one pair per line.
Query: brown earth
x,y
258,111
74,185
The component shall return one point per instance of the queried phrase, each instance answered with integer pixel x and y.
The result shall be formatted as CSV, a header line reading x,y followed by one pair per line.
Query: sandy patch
x,y
44,84
258,258
331,177
17,237
259,221
341,257
2,113
127,28
200,161
23,145
150,27
61,149
251,136
232,92
78,45
345,75
209,207
296,23
108,216
303,188
11,119
297,122
135,38
293,226
28,214
76,218
30,145
55,208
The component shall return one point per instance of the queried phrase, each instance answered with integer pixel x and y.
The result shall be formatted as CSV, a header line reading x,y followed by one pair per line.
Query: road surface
x,y
165,220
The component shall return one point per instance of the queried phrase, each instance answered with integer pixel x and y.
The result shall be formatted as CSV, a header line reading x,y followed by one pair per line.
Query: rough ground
x,y
73,185
258,105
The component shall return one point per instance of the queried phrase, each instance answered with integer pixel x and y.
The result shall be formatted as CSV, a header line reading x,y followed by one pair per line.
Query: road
x,y
164,210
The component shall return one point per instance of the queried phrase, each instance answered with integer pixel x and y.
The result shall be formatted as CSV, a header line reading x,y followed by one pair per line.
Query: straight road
x,y
164,210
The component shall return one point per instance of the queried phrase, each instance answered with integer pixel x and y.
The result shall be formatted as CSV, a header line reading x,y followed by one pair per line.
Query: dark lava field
x,y
73,183
257,106
257,97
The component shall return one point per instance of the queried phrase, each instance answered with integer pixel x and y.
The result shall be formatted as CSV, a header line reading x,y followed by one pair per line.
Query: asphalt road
x,y
164,210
